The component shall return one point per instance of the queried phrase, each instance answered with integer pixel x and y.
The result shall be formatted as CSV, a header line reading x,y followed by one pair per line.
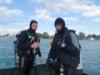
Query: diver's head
x,y
59,24
33,25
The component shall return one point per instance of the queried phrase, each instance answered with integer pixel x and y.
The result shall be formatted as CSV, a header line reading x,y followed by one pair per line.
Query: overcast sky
x,y
81,15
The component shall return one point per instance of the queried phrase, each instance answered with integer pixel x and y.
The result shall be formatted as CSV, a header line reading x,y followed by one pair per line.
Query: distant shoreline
x,y
46,38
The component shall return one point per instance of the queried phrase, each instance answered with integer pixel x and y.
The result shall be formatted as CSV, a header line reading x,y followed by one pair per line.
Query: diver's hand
x,y
41,60
35,45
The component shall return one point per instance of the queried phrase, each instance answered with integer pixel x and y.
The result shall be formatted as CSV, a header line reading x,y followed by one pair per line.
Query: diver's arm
x,y
40,55
39,52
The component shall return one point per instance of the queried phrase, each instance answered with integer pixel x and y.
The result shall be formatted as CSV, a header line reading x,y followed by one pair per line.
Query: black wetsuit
x,y
26,52
68,56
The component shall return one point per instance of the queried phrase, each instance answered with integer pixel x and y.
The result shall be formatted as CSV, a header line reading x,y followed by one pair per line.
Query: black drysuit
x,y
69,55
26,53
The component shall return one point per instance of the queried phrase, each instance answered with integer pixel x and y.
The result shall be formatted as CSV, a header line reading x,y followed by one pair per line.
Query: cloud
x,y
97,20
88,10
10,12
3,22
12,28
84,7
5,1
7,30
43,14
71,19
81,28
75,27
32,1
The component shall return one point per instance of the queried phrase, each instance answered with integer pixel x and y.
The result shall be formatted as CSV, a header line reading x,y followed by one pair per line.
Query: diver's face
x,y
58,27
34,26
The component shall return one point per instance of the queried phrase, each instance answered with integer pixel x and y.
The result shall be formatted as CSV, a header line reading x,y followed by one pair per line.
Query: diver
x,y
64,56
28,47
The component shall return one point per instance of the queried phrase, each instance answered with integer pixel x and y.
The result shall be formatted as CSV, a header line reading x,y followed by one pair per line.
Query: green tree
x,y
98,37
89,36
94,36
81,35
45,35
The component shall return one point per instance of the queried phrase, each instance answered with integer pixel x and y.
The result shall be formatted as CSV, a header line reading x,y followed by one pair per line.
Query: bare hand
x,y
41,60
35,45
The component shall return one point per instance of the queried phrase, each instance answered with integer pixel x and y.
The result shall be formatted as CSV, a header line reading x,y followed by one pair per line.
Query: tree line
x,y
81,36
